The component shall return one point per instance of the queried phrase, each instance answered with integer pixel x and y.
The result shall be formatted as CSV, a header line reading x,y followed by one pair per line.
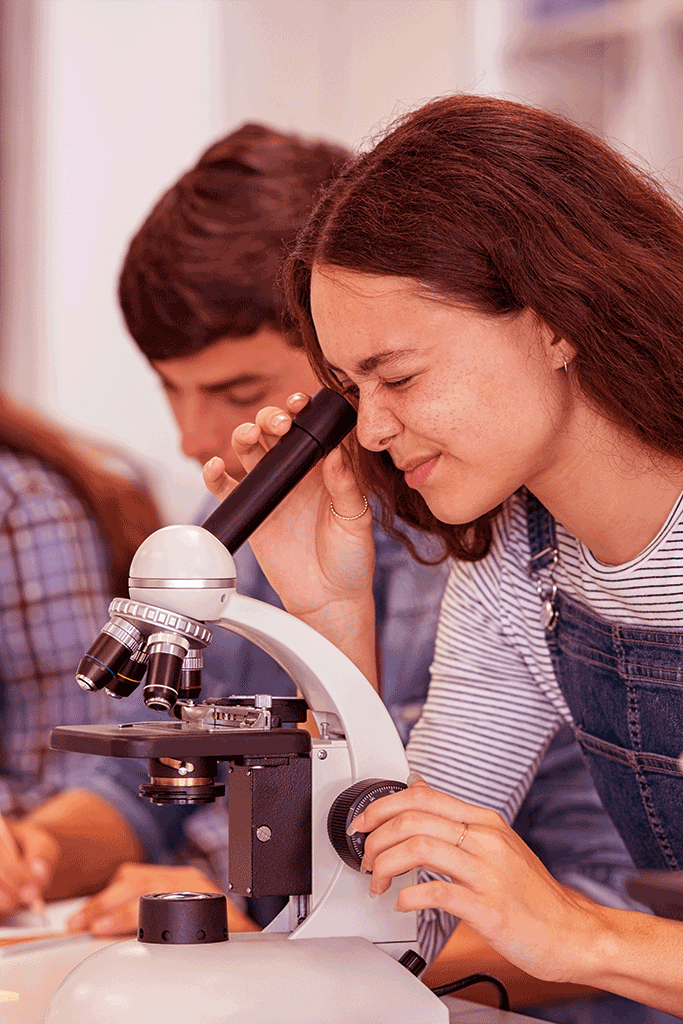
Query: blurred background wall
x,y
105,102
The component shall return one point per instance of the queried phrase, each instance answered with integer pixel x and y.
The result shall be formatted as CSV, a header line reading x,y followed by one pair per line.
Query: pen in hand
x,y
10,845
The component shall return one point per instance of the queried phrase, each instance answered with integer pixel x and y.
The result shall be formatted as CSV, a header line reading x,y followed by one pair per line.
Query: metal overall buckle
x,y
545,585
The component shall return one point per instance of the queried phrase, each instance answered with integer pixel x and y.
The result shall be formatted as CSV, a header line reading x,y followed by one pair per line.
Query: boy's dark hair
x,y
205,263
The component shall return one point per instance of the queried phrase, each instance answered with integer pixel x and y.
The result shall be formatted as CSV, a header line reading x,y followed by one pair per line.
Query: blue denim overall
x,y
624,687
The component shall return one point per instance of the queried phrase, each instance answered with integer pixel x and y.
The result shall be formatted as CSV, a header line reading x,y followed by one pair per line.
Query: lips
x,y
417,471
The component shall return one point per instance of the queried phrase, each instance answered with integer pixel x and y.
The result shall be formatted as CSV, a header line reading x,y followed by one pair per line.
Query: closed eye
x,y
347,387
350,390
245,399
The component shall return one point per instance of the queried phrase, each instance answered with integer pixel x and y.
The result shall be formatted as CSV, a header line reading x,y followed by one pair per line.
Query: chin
x,y
461,512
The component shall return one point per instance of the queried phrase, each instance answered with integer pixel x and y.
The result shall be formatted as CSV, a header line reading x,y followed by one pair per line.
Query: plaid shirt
x,y
55,590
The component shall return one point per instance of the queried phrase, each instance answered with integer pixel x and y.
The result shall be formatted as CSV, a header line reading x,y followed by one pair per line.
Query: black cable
x,y
474,979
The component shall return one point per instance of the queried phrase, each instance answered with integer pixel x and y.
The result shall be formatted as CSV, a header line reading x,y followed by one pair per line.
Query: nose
x,y
201,437
377,425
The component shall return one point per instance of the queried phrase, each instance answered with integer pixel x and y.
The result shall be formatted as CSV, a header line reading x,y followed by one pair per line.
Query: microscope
x,y
333,951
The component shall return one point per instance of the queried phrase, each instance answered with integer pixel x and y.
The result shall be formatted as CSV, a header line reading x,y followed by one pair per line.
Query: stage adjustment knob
x,y
346,807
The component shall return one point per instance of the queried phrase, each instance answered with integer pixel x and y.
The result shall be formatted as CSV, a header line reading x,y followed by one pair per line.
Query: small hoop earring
x,y
566,368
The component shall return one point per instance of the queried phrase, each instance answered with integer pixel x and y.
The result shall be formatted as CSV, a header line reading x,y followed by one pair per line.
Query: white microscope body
x,y
328,956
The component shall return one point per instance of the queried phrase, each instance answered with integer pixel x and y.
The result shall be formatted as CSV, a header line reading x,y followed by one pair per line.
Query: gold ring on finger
x,y
349,519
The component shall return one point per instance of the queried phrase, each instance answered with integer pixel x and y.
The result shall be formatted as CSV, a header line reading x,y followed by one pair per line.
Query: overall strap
x,y
544,558
542,541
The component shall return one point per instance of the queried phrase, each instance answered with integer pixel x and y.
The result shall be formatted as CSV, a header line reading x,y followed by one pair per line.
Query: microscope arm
x,y
340,697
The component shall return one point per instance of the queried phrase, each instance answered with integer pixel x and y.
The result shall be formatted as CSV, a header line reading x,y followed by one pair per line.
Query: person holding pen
x,y
71,517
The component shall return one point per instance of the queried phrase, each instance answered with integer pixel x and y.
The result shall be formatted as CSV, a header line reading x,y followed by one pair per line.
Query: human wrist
x,y
350,626
593,945
611,955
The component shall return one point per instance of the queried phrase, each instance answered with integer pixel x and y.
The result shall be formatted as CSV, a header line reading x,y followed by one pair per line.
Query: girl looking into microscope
x,y
501,295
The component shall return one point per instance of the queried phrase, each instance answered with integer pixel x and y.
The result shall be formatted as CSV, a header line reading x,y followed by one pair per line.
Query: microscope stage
x,y
178,740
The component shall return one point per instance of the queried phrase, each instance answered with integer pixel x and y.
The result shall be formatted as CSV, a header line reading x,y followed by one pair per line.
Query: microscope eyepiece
x,y
117,641
318,428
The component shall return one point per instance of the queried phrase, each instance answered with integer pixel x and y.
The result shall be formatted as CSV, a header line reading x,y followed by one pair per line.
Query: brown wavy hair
x,y
501,207
124,511
204,264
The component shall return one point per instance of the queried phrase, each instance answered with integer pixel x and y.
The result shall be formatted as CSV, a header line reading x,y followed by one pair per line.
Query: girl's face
x,y
469,407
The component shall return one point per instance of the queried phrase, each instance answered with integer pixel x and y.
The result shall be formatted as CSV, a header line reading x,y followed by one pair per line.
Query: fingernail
x,y
372,895
296,397
29,893
365,870
279,418
212,463
40,868
353,827
249,431
413,778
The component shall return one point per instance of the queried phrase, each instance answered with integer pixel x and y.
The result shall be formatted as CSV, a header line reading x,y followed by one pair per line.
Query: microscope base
x,y
249,978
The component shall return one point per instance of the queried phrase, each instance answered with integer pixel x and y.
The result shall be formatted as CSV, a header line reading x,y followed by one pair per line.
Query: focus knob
x,y
346,807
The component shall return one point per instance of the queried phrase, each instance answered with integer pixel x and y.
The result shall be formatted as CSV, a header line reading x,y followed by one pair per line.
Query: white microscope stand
x,y
340,961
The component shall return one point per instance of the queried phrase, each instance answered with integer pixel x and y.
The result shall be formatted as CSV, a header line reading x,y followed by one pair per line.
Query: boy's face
x,y
213,391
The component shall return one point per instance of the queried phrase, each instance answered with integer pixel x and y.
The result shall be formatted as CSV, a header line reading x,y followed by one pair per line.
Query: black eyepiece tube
x,y
318,428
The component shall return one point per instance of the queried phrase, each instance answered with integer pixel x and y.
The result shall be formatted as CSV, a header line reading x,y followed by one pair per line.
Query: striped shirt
x,y
494,702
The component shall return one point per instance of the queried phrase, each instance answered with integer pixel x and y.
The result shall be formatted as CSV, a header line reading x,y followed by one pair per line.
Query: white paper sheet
x,y
25,922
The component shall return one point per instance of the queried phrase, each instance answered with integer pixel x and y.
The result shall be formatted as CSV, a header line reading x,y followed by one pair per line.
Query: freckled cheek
x,y
452,417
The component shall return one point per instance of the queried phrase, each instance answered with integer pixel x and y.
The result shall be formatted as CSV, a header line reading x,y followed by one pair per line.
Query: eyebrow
x,y
385,358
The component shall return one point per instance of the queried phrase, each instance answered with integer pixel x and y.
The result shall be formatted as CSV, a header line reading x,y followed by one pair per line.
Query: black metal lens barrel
x,y
112,649
164,670
191,676
319,428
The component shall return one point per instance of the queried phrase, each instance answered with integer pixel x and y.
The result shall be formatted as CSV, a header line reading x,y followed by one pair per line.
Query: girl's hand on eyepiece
x,y
320,565
251,441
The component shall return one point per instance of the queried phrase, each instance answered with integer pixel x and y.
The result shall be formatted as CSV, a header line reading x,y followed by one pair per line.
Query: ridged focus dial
x,y
346,807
